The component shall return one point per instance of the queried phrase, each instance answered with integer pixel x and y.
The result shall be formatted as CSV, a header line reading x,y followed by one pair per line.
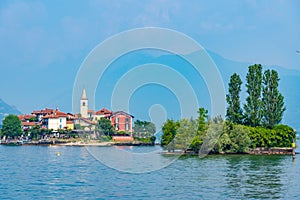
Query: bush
x,y
279,136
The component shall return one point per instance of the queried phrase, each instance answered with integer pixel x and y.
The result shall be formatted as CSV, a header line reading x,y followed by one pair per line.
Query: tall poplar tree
x,y
253,106
234,111
273,101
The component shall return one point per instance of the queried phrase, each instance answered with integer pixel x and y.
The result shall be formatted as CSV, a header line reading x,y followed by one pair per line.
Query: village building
x,y
120,120
86,120
41,113
83,123
55,121
70,125
28,121
48,119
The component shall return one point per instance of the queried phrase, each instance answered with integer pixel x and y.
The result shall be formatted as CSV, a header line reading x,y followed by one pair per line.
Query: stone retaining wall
x,y
272,151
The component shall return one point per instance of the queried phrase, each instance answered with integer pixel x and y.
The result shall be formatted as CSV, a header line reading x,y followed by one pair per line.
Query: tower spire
x,y
83,96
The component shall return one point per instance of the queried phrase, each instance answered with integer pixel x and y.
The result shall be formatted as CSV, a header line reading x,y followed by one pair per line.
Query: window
x,y
60,120
60,127
126,124
83,104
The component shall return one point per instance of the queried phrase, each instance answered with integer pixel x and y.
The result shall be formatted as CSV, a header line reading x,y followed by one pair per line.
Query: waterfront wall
x,y
271,151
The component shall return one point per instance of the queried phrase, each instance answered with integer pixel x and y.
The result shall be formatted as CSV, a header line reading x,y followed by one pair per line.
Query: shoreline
x,y
73,143
256,151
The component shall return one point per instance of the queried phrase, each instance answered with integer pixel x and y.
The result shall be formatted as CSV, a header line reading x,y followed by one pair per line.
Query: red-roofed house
x,y
26,118
28,121
55,121
122,121
40,113
103,113
28,125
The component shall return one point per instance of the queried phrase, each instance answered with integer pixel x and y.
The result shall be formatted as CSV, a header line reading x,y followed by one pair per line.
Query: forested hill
x,y
6,109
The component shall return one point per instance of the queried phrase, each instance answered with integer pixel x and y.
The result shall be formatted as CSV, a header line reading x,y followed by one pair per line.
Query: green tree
x,y
284,135
144,128
234,139
253,106
240,140
202,119
169,130
201,131
279,136
152,139
186,132
34,132
33,119
213,133
105,127
12,126
234,111
273,101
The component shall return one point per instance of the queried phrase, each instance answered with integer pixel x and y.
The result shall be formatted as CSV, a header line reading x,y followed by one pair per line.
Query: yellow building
x,y
70,125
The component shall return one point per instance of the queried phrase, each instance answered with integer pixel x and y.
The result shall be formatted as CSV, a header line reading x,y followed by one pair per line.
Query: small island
x,y
253,128
89,127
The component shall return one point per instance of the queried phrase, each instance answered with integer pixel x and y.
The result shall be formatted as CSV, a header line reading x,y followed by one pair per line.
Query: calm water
x,y
37,172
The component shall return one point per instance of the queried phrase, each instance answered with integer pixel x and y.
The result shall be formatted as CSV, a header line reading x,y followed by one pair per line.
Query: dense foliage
x,y
273,101
279,136
201,131
144,129
186,134
253,111
105,127
257,126
12,126
234,111
223,136
169,130
234,139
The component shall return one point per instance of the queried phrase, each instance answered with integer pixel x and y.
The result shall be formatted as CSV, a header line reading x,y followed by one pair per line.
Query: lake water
x,y
36,172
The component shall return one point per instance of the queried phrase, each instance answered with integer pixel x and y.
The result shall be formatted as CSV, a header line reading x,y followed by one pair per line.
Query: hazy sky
x,y
43,42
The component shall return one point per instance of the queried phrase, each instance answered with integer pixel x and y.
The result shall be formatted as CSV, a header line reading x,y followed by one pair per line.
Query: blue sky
x,y
43,43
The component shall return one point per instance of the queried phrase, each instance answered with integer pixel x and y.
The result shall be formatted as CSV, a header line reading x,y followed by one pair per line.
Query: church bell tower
x,y
84,105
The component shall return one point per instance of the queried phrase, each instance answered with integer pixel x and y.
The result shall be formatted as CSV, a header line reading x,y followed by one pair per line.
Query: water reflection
x,y
255,176
38,172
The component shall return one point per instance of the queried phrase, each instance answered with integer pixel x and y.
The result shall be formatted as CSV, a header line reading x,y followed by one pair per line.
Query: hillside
x,y
6,109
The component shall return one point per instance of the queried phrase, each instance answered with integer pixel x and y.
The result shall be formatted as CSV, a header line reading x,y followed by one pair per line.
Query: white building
x,y
55,121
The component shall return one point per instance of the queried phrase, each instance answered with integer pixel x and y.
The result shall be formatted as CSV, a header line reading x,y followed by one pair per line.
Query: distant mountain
x,y
142,99
6,109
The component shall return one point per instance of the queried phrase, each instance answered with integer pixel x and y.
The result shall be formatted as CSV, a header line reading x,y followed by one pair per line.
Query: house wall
x,y
83,123
70,126
96,118
57,123
122,122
